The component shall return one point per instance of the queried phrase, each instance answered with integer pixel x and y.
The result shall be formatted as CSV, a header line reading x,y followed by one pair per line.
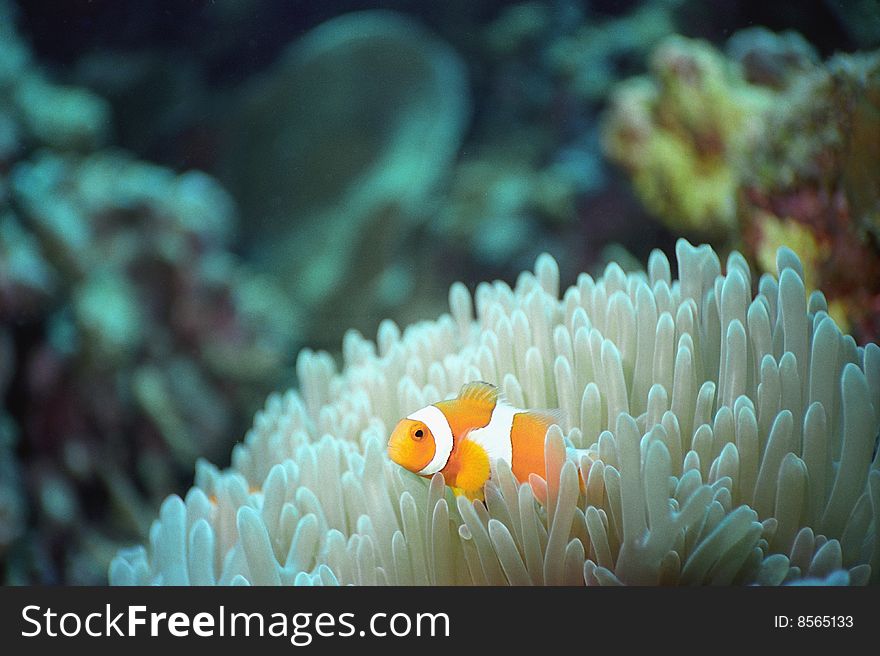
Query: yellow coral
x,y
682,132
776,233
688,193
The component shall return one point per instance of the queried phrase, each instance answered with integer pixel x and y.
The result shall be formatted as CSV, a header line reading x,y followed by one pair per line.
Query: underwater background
x,y
192,192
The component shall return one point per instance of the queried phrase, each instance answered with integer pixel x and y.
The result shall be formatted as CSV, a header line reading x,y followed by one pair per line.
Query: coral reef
x,y
815,172
133,340
723,437
681,133
764,148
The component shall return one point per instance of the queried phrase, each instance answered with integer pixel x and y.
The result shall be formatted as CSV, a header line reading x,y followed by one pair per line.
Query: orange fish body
x,y
463,438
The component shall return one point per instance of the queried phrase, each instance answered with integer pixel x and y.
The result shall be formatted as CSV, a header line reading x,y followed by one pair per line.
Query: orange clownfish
x,y
463,438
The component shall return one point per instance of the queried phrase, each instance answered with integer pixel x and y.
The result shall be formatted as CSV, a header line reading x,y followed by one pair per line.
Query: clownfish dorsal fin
x,y
549,417
480,392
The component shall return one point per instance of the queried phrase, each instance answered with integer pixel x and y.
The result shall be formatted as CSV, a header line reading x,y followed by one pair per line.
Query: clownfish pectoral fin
x,y
472,495
473,469
480,392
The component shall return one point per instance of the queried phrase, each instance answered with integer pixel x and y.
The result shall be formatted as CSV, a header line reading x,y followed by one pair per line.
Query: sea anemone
x,y
722,438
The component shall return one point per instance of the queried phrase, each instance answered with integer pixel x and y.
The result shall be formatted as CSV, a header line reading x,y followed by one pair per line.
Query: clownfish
x,y
463,438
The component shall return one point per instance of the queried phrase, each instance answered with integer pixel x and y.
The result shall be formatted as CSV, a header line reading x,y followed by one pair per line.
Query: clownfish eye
x,y
419,434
